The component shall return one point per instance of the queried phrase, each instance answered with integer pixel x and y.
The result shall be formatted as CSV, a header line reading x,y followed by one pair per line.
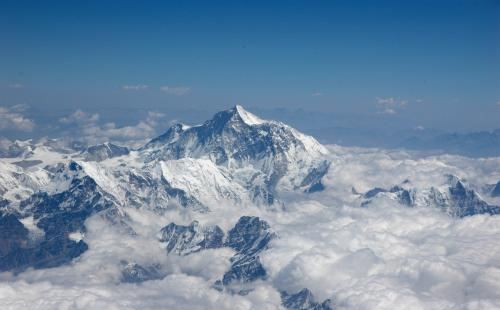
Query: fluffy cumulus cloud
x,y
365,169
86,126
388,257
175,90
178,291
384,256
390,105
12,118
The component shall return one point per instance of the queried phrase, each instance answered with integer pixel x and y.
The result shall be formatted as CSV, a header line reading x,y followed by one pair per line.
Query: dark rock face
x,y
261,193
272,147
184,240
373,192
225,132
13,234
182,197
496,190
303,300
466,202
17,251
249,237
158,192
244,269
459,201
171,135
16,149
104,151
313,179
134,273
65,212
49,253
405,197
316,187
27,163
3,203
57,215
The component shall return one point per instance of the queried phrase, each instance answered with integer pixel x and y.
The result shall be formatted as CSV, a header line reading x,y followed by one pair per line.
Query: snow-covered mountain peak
x,y
453,180
236,139
234,117
239,133
171,135
104,151
234,158
247,117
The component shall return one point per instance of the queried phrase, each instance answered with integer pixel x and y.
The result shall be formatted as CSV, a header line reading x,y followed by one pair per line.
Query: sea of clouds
x,y
384,256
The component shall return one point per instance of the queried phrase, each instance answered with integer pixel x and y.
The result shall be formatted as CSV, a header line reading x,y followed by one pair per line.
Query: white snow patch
x,y
76,236
249,118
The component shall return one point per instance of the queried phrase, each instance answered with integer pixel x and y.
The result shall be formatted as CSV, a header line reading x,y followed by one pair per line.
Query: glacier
x,y
250,212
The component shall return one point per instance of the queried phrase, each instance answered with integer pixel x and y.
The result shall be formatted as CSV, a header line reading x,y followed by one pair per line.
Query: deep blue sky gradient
x,y
442,57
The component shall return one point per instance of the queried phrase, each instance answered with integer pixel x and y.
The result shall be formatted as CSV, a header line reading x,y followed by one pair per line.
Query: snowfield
x,y
383,232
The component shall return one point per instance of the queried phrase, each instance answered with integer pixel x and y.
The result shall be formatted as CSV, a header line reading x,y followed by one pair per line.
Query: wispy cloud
x,y
419,128
19,107
175,90
390,105
85,126
80,117
317,94
12,118
16,85
381,255
135,87
498,103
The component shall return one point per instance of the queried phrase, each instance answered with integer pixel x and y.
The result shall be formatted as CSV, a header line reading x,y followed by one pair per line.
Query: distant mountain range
x,y
475,144
235,158
328,128
455,197
48,192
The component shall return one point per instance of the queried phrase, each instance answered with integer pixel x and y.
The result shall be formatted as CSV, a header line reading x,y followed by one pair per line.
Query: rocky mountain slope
x,y
233,159
232,164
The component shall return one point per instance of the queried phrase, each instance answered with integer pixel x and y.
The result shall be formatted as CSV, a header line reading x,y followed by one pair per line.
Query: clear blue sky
x,y
399,63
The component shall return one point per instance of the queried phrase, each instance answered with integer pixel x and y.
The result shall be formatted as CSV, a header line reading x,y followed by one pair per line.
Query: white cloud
x,y
135,87
498,104
387,257
384,256
316,94
12,118
19,107
80,117
16,85
93,281
175,90
419,128
390,105
388,111
368,168
92,132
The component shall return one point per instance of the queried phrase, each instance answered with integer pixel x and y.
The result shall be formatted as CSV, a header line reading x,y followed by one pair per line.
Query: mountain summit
x,y
236,139
234,118
233,159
